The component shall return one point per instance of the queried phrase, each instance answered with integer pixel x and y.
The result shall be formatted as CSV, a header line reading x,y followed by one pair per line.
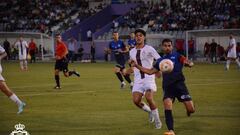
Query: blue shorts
x,y
177,90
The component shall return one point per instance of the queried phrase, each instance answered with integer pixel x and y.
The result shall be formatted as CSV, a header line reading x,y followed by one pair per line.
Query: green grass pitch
x,y
94,104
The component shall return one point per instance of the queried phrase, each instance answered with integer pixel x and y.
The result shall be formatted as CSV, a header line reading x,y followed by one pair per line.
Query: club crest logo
x,y
19,130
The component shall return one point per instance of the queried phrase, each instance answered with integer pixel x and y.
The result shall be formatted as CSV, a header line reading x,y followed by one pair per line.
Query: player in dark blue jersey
x,y
132,41
119,49
173,83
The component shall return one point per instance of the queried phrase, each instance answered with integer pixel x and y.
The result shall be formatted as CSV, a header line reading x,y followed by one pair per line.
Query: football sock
x,y
119,76
15,99
25,64
21,65
127,77
238,63
70,73
169,119
57,80
156,115
227,64
145,107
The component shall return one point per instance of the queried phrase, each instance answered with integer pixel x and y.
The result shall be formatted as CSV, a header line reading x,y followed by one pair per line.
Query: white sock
x,y
146,108
156,116
25,64
237,61
15,99
21,65
228,64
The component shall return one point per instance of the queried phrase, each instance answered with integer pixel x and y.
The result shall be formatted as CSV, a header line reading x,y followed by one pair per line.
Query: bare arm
x,y
2,55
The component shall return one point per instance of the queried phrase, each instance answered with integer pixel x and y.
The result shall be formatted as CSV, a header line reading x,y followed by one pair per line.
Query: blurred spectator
x,y
89,35
191,48
206,50
93,52
213,51
180,46
72,47
220,53
7,47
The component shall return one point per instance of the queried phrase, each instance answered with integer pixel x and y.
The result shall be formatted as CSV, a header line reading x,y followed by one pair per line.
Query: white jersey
x,y
144,57
2,50
232,52
22,49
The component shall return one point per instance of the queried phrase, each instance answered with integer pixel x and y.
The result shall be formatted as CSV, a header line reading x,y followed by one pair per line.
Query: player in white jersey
x,y
144,85
22,46
232,53
4,88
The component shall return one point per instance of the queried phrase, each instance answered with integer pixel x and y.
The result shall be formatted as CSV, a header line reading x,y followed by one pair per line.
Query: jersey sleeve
x,y
109,45
156,65
2,50
154,53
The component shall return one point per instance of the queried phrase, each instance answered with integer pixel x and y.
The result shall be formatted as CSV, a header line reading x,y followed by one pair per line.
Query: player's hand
x,y
189,63
58,57
132,63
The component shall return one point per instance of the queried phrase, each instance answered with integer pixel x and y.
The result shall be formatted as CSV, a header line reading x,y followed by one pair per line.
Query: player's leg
x,y
57,79
137,100
189,107
127,77
25,65
117,71
5,89
21,64
237,61
154,110
167,102
66,72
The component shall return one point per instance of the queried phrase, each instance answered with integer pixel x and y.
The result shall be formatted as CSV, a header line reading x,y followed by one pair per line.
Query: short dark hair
x,y
166,40
141,31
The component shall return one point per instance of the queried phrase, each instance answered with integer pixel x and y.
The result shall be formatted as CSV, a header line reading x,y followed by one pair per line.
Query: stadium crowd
x,y
41,16
183,15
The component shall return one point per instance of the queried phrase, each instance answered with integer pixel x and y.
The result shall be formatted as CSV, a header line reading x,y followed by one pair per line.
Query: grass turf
x,y
94,104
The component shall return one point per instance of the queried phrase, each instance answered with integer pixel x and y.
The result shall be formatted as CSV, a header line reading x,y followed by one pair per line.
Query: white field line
x,y
57,92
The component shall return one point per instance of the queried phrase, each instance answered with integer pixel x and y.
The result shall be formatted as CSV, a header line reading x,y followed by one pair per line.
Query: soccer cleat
x,y
21,107
158,125
123,84
57,87
76,73
169,133
150,117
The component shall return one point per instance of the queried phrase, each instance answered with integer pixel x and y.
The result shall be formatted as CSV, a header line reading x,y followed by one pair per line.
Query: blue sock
x,y
169,119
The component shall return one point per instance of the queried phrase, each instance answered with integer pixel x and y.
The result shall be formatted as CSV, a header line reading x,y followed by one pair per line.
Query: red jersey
x,y
61,49
32,46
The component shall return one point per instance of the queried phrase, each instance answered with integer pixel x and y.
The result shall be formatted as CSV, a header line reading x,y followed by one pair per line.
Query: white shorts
x,y
22,57
142,87
232,55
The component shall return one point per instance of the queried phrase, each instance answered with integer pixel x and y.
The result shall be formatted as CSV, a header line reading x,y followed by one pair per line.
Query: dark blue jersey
x,y
117,48
132,43
176,74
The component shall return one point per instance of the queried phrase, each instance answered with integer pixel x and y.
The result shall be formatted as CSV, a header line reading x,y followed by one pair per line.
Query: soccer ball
x,y
166,66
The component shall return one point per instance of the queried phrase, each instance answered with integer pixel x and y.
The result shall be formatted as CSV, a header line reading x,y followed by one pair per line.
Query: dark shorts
x,y
62,65
120,66
177,90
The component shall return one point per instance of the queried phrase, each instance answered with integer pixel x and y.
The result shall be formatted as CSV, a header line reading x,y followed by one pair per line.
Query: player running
x,y
173,83
61,61
119,49
5,89
144,84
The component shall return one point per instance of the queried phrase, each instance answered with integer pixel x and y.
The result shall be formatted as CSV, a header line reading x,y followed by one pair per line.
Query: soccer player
x,y
5,89
173,83
132,41
231,53
22,46
119,49
32,50
61,61
144,85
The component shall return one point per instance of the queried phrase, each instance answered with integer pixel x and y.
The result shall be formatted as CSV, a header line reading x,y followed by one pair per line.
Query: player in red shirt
x,y
61,61
32,48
